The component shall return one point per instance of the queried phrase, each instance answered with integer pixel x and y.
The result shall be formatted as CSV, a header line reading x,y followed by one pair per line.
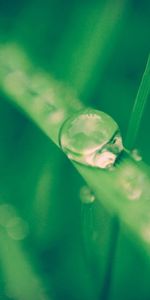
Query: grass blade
x,y
40,109
138,108
123,192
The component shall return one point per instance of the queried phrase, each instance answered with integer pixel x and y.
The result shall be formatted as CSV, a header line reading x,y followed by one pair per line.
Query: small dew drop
x,y
132,183
136,155
86,195
134,193
92,138
15,226
16,83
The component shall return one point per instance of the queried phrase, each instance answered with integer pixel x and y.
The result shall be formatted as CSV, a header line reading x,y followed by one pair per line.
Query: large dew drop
x,y
91,137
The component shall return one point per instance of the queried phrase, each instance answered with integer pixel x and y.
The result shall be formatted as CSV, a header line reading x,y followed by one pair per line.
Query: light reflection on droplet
x,y
17,228
86,195
105,159
92,138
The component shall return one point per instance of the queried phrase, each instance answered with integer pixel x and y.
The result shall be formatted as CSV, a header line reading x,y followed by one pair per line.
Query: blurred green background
x,y
99,49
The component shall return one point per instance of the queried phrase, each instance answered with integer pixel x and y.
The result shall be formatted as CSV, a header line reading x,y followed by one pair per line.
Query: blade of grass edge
x,y
138,108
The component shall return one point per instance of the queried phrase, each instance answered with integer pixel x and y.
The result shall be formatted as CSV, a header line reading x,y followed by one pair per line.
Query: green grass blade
x,y
50,119
123,192
138,108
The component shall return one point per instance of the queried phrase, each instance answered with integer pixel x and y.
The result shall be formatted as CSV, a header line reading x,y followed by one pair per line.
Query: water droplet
x,y
86,195
17,228
132,183
91,137
16,83
136,155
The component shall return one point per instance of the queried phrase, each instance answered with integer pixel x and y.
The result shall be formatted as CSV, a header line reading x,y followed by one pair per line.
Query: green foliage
x,y
138,109
53,245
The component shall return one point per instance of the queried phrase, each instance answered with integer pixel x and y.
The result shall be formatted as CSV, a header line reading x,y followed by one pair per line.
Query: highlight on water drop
x,y
92,138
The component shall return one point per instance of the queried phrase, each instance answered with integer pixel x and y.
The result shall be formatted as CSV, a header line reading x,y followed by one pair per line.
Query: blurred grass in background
x,y
99,49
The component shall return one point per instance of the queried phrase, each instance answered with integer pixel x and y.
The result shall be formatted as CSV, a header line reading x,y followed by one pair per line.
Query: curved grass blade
x,y
138,108
123,192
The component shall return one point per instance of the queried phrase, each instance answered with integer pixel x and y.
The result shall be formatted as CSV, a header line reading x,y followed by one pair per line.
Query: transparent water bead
x,y
91,137
86,195
136,155
134,184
